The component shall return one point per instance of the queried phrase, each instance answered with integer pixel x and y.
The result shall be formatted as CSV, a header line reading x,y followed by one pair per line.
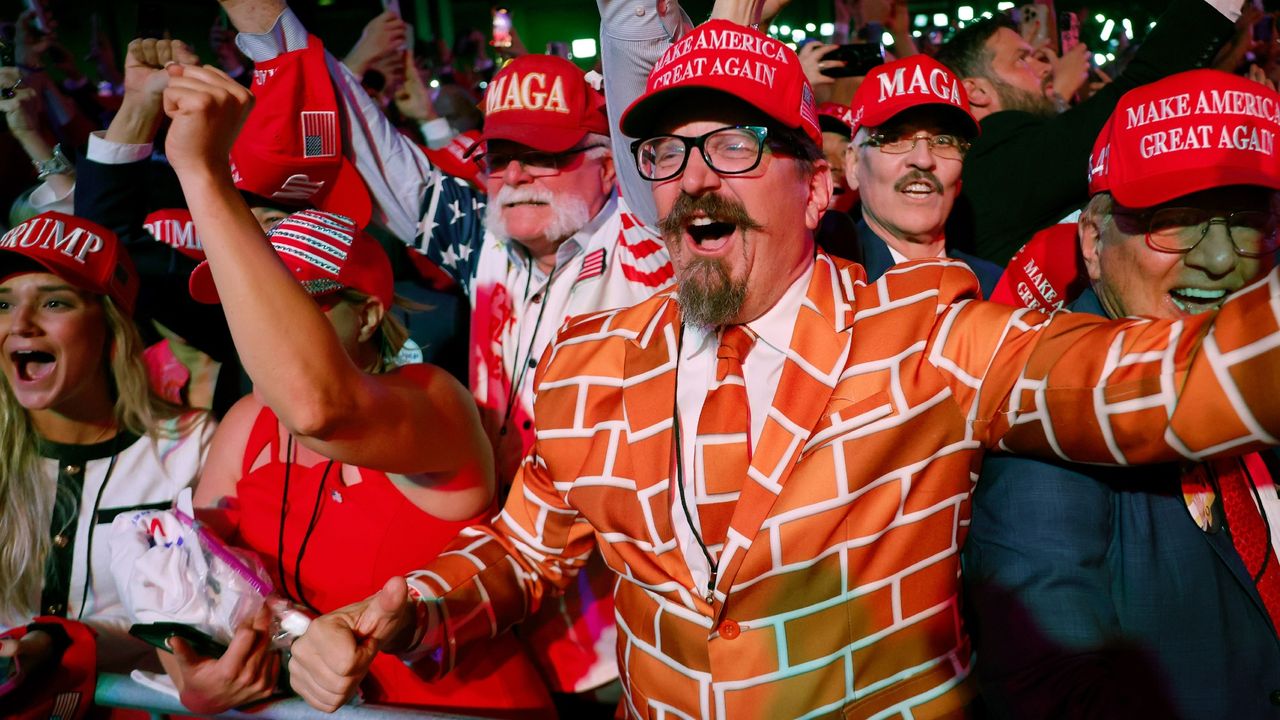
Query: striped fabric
x,y
837,594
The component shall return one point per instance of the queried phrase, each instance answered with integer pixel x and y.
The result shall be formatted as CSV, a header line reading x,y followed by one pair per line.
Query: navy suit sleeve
x,y
1038,597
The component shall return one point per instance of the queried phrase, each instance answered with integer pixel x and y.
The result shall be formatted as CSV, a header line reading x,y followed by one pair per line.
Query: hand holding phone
x,y
158,634
501,28
858,58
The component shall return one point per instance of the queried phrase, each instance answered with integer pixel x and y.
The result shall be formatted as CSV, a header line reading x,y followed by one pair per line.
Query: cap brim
x,y
642,116
876,119
538,137
13,262
1155,189
201,286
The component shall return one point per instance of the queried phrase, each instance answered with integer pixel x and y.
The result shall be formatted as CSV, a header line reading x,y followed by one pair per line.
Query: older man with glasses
x,y
1150,591
912,128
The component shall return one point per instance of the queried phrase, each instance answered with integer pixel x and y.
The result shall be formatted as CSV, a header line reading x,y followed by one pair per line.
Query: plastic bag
x,y
168,569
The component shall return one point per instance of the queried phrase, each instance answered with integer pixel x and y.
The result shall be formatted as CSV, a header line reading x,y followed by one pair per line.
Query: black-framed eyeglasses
x,y
729,150
1181,229
535,162
951,147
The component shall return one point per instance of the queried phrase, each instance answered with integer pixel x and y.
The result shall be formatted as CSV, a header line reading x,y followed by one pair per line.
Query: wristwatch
x,y
56,165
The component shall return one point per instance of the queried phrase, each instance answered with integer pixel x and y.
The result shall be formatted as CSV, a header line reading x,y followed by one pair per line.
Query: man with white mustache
x,y
549,239
912,127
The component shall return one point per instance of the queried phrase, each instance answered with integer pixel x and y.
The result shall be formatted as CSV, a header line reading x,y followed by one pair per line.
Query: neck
x,y
85,430
910,246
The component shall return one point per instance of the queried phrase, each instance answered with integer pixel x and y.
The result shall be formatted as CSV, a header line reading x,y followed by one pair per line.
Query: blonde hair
x,y
24,508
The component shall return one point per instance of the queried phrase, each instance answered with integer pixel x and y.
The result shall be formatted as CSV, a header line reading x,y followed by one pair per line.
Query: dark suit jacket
x,y
1025,172
1092,593
876,259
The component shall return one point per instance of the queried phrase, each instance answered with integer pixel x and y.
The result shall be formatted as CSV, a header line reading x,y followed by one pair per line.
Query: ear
x,y
820,184
370,315
851,165
608,173
1091,246
983,100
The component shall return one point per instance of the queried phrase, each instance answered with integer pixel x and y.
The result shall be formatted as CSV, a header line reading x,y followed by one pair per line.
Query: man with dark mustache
x,y
1024,173
912,128
781,481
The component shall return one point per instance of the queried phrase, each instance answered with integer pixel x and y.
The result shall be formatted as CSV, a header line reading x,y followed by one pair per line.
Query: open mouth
x,y
709,234
32,365
1194,301
918,189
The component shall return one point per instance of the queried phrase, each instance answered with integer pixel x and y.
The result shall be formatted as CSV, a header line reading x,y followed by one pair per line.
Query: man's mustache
x,y
717,208
919,176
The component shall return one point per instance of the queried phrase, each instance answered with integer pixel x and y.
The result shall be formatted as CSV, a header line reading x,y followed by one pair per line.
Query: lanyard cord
x,y
306,538
522,368
713,564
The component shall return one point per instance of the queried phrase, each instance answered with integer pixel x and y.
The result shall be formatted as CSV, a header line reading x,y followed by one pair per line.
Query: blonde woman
x,y
84,439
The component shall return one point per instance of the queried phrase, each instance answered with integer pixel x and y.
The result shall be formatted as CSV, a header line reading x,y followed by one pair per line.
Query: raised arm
x,y
286,344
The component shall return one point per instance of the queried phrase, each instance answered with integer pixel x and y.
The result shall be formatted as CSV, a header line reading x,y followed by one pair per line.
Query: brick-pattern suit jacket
x,y
837,593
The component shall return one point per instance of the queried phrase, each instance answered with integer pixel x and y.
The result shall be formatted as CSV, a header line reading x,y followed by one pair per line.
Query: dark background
x,y
339,22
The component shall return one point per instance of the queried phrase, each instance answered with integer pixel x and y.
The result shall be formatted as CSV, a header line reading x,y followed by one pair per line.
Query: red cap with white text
x,y
175,228
913,81
734,60
834,117
453,160
1188,132
83,253
325,252
544,102
290,148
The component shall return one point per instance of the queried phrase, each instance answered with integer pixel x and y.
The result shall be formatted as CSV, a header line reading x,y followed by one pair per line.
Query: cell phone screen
x,y
501,27
859,59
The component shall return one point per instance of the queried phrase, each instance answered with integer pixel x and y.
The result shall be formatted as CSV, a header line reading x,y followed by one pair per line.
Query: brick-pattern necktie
x,y
1248,532
723,448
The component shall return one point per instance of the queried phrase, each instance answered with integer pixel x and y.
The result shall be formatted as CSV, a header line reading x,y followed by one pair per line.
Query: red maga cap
x,y
290,148
175,228
914,81
734,60
544,102
83,253
834,117
325,252
1186,133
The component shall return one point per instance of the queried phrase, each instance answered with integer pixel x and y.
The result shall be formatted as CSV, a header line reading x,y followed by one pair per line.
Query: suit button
x,y
60,541
729,630
54,609
1275,697
72,469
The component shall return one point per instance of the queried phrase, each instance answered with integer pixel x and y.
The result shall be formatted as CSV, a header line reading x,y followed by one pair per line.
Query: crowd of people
x,y
946,390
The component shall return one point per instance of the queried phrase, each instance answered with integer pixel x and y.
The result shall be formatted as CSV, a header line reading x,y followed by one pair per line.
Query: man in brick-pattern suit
x,y
833,589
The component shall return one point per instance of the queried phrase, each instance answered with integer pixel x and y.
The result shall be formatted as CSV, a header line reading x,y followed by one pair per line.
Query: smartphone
x,y
859,59
1033,24
501,28
157,633
392,6
558,48
1068,31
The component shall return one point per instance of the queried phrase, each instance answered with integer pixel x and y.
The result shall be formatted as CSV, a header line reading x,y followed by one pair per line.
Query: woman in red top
x,y
341,469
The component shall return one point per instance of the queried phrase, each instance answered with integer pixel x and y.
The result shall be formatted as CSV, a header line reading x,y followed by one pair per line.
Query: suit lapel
x,y
648,399
819,348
